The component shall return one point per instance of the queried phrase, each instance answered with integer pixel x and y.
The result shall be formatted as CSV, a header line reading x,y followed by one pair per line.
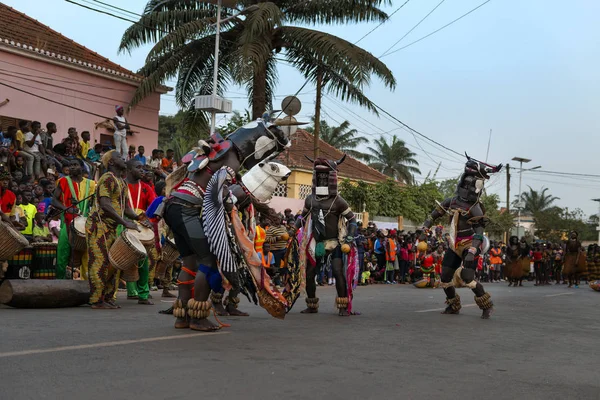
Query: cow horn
x,y
309,159
341,160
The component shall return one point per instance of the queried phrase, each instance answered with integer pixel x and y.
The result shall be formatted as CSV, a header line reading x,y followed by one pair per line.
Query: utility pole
x,y
506,234
317,114
521,160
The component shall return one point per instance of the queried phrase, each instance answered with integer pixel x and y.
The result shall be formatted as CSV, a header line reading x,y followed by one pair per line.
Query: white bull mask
x,y
262,179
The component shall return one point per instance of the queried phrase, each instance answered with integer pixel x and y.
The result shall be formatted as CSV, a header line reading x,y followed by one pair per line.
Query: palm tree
x,y
534,201
394,159
342,138
183,34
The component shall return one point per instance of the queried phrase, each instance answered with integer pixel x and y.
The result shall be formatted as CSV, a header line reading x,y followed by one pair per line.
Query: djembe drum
x,y
44,260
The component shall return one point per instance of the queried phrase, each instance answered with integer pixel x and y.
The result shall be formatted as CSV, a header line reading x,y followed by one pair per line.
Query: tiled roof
x,y
302,144
23,32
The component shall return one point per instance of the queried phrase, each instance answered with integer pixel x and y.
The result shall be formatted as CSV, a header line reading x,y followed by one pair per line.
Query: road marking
x,y
558,294
442,309
167,301
106,344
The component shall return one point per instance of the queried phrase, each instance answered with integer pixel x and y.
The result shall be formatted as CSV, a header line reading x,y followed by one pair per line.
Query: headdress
x,y
470,185
118,108
322,166
263,179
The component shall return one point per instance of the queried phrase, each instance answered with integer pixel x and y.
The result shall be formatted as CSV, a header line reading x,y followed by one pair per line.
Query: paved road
x,y
542,343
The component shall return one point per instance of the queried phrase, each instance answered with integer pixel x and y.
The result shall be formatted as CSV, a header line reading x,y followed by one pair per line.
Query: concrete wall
x,y
86,91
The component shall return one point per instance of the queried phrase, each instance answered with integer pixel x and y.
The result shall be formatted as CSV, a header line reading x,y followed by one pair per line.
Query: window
x,y
281,190
305,191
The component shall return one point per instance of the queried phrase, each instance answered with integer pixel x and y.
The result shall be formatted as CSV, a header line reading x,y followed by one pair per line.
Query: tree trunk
x,y
259,93
40,293
317,115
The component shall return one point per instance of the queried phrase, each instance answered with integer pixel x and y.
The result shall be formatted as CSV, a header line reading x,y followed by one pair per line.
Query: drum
x,y
169,255
20,264
126,252
145,236
130,275
169,252
78,241
44,260
12,241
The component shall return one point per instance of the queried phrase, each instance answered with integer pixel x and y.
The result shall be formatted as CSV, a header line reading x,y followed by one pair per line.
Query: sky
x,y
526,70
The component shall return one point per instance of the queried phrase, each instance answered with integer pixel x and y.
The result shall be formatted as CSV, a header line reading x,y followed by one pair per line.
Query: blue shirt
x,y
93,156
378,247
141,159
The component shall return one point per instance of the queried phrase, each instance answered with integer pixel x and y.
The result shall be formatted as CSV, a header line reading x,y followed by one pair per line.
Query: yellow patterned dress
x,y
101,234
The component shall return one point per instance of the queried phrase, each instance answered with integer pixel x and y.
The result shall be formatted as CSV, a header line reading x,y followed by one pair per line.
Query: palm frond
x,y
153,26
334,11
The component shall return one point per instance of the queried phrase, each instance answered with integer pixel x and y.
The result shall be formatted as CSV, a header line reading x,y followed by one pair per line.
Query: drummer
x,y
71,197
110,206
140,196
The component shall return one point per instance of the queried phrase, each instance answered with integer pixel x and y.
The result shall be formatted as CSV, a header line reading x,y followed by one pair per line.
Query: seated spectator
x,y
41,233
131,153
17,215
94,155
54,226
30,211
7,160
84,145
140,155
167,162
20,144
32,146
19,178
156,164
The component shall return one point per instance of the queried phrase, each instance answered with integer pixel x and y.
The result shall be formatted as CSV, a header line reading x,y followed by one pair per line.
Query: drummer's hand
x,y
146,222
73,210
132,225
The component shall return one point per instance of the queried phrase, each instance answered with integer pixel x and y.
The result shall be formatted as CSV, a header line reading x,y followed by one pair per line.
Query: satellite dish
x,y
288,125
291,105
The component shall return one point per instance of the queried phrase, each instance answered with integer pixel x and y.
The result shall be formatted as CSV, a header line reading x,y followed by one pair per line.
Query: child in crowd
x,y
84,144
94,155
41,233
54,226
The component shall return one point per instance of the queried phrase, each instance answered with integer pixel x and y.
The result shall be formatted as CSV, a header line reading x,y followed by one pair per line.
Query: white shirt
x,y
121,132
36,145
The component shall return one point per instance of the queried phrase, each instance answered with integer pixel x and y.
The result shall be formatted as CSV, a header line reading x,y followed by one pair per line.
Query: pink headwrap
x,y
117,108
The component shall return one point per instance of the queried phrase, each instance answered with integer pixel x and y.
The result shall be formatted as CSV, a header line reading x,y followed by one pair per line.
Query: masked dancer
x,y
195,212
467,223
329,227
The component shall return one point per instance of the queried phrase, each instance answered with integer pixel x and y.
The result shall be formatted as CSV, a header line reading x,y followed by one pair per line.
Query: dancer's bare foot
x,y
146,302
343,312
449,310
203,325
166,293
102,306
309,311
234,312
220,309
182,323
487,313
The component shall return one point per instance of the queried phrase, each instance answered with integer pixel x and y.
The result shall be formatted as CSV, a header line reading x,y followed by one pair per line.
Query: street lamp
x,y
598,228
521,160
213,103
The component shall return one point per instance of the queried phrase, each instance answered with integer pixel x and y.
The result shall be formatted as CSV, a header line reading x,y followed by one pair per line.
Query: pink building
x,y
47,77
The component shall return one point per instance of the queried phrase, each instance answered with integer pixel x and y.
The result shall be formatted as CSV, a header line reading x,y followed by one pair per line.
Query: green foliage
x,y
183,34
448,187
553,222
235,122
389,199
393,159
499,222
341,137
182,131
534,201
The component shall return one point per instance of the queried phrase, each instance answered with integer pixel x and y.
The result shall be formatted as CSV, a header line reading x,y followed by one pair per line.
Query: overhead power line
x,y
412,29
382,22
71,107
437,30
